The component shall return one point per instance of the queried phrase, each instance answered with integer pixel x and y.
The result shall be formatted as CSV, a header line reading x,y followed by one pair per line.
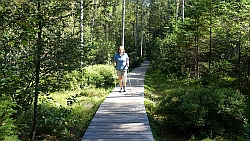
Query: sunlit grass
x,y
74,110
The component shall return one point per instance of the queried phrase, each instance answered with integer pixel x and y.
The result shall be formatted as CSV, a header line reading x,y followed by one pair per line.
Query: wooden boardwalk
x,y
122,116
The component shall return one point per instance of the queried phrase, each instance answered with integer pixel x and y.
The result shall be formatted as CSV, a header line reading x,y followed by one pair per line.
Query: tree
x,y
37,46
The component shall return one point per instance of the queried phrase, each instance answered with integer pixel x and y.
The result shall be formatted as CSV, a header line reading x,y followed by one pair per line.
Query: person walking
x,y
121,64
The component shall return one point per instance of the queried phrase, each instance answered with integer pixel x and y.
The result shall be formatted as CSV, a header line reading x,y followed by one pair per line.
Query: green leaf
x,y
1,8
24,42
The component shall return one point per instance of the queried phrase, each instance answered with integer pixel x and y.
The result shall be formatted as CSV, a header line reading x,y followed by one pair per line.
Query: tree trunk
x,y
136,26
177,9
142,15
183,11
197,50
93,23
248,67
210,42
123,21
239,59
81,23
37,79
141,44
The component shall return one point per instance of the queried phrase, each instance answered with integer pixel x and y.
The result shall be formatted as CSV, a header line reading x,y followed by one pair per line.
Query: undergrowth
x,y
66,115
66,110
181,109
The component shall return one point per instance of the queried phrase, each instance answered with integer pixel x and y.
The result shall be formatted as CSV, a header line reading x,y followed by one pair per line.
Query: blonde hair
x,y
120,47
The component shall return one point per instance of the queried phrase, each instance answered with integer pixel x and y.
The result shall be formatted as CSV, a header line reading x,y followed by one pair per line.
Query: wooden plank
x,y
120,120
130,133
127,106
104,129
112,124
116,140
123,135
119,127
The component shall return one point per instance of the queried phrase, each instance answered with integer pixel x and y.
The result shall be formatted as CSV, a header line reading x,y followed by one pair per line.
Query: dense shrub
x,y
56,120
66,115
135,62
95,75
7,126
247,132
74,80
53,120
99,75
205,112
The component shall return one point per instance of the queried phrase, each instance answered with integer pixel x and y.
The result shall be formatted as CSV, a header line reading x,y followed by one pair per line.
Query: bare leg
x,y
120,81
124,82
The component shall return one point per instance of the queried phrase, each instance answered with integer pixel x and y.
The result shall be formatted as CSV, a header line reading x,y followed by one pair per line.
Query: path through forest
x,y
122,116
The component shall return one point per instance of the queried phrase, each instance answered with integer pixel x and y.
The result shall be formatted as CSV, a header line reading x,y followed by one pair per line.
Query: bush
x,y
74,80
6,122
65,116
247,132
96,75
205,112
11,138
53,120
99,75
134,63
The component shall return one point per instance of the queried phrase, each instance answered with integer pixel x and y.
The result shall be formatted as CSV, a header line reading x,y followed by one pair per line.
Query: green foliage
x,y
99,75
211,46
94,76
202,40
66,115
61,54
208,139
220,70
134,63
54,120
166,56
213,41
204,112
7,123
247,132
187,108
73,80
11,138
61,112
101,52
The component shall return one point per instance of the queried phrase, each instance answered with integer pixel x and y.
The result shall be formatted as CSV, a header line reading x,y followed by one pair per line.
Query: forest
x,y
56,66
